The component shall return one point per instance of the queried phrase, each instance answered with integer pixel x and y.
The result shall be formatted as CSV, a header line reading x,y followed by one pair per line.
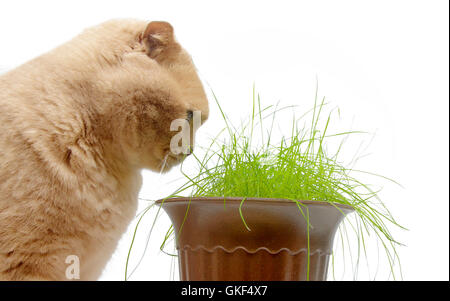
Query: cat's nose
x,y
190,150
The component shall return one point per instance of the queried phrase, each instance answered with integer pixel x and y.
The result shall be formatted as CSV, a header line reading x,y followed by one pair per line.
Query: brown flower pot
x,y
214,244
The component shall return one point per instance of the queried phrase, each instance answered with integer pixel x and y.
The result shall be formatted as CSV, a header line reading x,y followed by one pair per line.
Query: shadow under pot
x,y
214,243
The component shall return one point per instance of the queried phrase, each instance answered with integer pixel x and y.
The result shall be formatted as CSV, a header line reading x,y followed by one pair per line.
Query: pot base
x,y
219,264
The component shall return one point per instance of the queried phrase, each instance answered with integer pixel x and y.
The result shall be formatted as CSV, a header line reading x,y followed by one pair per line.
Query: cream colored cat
x,y
77,125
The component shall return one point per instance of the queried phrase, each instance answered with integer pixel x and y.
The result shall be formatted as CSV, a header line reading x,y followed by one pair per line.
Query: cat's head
x,y
147,80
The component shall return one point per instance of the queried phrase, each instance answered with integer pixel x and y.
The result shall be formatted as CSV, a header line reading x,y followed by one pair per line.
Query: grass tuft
x,y
298,167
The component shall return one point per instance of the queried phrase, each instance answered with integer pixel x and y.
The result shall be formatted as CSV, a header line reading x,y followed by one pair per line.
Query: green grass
x,y
245,162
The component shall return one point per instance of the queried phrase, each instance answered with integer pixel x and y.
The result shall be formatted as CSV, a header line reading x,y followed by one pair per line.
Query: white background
x,y
383,63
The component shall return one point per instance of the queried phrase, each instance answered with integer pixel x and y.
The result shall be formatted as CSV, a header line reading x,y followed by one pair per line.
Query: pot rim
x,y
252,199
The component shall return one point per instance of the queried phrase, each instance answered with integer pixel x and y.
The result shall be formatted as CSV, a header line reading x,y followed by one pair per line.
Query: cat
x,y
77,125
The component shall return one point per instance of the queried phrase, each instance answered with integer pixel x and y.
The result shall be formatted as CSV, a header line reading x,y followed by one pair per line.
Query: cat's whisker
x,y
164,163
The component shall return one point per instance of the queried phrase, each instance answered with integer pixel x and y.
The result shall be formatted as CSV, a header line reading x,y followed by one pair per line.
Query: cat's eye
x,y
190,115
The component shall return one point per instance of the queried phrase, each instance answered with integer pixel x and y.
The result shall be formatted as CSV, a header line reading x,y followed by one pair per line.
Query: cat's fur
x,y
77,125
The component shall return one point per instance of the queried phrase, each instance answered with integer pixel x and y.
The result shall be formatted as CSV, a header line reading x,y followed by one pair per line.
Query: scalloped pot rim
x,y
273,252
252,199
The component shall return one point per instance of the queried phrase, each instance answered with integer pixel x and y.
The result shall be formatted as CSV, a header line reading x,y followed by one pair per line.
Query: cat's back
x,y
16,156
42,197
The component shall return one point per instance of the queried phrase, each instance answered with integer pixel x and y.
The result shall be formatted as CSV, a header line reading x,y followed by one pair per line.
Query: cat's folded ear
x,y
158,37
